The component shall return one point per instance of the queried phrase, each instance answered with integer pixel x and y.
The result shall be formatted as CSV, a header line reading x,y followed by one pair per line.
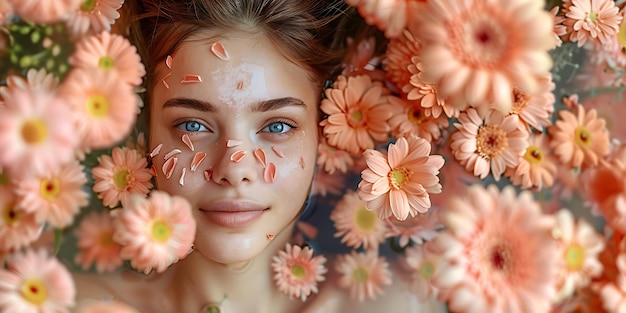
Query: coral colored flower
x,y
365,274
610,107
325,183
121,174
155,232
453,175
423,262
104,106
332,159
358,112
17,229
613,294
558,29
390,16
498,253
399,54
56,197
297,271
535,110
361,59
536,167
418,229
44,11
581,246
579,139
595,20
35,80
35,282
606,188
410,118
94,16
399,184
96,244
489,145
417,89
476,51
104,307
356,225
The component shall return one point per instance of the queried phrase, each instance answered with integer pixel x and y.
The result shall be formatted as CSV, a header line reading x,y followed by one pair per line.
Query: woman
x,y
237,78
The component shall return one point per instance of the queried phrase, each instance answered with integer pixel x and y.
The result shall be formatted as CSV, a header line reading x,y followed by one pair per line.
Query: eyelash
x,y
287,122
182,124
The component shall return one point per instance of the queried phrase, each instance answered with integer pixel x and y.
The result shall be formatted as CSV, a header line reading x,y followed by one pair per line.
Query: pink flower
x,y
325,183
121,174
390,16
410,118
498,253
613,294
332,159
399,54
418,229
535,110
423,262
154,232
536,168
558,29
431,100
365,274
54,198
96,244
35,282
356,225
94,16
297,271
35,80
595,20
104,307
399,184
17,229
44,11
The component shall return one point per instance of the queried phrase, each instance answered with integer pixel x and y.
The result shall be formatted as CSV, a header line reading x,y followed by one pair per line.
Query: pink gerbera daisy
x,y
488,145
498,253
418,229
96,244
558,29
399,54
536,168
423,262
399,184
121,174
17,229
365,274
44,11
35,282
431,101
155,232
332,159
94,16
596,20
606,189
579,139
390,16
35,135
55,197
535,110
325,183
356,225
613,294
358,112
105,106
297,271
110,53
476,51
410,118
35,80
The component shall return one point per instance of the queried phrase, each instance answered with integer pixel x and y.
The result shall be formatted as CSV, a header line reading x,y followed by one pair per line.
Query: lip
x,y
233,213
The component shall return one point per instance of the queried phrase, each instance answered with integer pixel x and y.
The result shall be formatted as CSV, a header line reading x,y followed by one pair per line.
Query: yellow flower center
x,y
360,275
533,155
4,179
50,189
365,220
355,117
574,257
582,136
98,106
161,231
88,5
490,141
426,270
34,131
9,215
106,238
298,271
621,35
593,16
415,116
120,179
106,63
35,291
520,101
398,177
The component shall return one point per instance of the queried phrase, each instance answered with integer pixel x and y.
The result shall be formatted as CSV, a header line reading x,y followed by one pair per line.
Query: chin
x,y
230,248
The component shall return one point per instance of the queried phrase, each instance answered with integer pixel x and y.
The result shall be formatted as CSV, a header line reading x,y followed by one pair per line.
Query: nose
x,y
235,166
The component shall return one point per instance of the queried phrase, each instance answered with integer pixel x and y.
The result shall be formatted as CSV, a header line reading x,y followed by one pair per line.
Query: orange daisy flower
x,y
399,54
595,20
297,271
558,29
17,228
44,11
332,159
431,101
365,274
410,118
606,189
535,110
96,244
94,17
418,229
536,168
399,184
389,16
356,225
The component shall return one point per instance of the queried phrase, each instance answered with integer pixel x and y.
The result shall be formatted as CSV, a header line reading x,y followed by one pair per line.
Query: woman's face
x,y
256,102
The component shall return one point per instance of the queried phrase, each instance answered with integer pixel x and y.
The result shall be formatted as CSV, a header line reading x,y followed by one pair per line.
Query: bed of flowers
x,y
485,138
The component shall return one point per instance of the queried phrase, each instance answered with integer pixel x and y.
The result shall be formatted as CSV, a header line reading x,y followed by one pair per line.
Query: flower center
x,y
500,258
398,177
50,189
520,101
34,131
490,141
360,275
10,216
593,16
106,63
365,220
120,179
298,271
4,179
98,106
161,231
106,238
582,136
355,117
88,5
426,270
574,257
478,41
35,291
533,155
415,116
621,35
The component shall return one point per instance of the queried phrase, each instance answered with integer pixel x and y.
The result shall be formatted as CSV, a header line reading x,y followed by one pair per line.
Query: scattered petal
x,y
208,175
270,236
218,49
167,86
188,142
197,159
260,156
233,143
237,156
278,151
181,181
156,150
270,173
168,61
153,170
240,85
169,166
172,153
191,78
301,161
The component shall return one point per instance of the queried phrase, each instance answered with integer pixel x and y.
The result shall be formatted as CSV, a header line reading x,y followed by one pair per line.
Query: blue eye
x,y
191,126
277,127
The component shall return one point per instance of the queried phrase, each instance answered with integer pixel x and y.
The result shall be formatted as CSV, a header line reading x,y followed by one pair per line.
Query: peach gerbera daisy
x,y
535,110
121,174
613,293
536,167
35,282
498,253
96,244
356,225
410,118
155,232
44,11
35,80
581,246
297,271
558,29
579,139
358,111
418,229
476,51
325,183
595,20
17,229
94,16
390,16
489,145
104,106
417,89
55,197
109,53
332,159
35,135
399,184
606,189
365,274
399,54
423,262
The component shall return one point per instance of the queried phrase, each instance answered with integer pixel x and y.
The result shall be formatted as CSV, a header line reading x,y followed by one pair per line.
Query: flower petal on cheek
x,y
208,175
278,151
270,173
169,166
260,156
191,78
197,159
237,156
233,143
156,150
172,153
187,141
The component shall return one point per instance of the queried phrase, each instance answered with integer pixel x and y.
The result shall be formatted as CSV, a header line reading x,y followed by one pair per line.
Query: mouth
x,y
233,214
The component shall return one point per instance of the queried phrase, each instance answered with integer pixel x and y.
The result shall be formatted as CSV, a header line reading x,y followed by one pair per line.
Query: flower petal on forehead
x,y
240,85
269,174
208,174
156,150
181,181
278,151
172,153
220,51
169,166
237,156
168,61
197,159
186,140
233,143
191,78
260,156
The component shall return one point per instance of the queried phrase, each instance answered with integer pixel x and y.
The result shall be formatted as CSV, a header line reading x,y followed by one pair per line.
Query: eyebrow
x,y
277,103
189,103
263,106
